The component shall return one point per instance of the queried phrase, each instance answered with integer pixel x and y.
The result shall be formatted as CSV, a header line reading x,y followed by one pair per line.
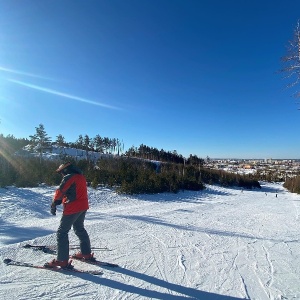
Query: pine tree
x,y
40,140
60,140
87,142
98,143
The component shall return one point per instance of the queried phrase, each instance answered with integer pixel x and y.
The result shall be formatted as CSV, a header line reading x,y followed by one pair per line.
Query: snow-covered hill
x,y
219,243
56,152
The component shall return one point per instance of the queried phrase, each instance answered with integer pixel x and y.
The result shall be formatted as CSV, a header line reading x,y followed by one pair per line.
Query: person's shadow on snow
x,y
187,292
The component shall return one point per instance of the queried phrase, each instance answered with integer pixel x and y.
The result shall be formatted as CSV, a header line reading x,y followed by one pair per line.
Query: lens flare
x,y
5,152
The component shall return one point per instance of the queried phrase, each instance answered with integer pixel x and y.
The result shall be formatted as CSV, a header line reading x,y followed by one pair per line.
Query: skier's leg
x,y
78,226
62,237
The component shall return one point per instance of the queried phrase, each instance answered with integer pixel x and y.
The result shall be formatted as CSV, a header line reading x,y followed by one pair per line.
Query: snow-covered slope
x,y
56,152
219,243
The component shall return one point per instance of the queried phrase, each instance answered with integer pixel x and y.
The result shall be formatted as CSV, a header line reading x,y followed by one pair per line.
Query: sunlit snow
x,y
220,243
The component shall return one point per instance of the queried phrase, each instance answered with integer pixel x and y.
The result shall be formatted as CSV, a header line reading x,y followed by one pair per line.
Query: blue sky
x,y
196,76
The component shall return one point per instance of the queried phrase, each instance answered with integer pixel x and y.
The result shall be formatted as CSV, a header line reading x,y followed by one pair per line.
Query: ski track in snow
x,y
219,243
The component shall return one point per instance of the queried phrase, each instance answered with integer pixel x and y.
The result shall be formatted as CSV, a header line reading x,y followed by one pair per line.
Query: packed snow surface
x,y
219,243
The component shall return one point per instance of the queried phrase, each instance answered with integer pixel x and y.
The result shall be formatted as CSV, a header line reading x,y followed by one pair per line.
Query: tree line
x,y
139,170
41,142
293,184
152,153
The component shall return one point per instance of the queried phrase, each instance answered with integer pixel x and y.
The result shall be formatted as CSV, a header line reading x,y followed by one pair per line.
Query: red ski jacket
x,y
72,193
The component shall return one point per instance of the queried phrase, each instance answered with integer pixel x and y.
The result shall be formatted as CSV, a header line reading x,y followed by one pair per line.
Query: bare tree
x,y
291,61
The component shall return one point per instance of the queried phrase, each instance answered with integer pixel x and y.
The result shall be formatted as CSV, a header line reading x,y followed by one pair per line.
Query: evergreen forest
x,y
138,170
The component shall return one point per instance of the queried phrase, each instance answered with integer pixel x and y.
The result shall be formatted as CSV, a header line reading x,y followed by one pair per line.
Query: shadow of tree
x,y
182,196
10,233
188,292
157,221
24,198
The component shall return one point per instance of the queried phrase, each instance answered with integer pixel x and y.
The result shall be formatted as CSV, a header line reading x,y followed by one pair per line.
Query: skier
x,y
72,193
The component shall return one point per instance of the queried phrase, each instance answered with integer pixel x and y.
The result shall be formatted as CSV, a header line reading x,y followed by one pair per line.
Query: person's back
x,y
75,197
72,193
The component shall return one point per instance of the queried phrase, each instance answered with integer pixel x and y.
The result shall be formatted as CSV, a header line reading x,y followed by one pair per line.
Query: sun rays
x,y
5,152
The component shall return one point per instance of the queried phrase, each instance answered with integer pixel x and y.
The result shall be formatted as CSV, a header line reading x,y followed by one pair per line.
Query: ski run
x,y
219,243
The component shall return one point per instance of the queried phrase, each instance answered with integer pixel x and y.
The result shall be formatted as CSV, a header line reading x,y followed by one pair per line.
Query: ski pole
x,y
44,247
92,248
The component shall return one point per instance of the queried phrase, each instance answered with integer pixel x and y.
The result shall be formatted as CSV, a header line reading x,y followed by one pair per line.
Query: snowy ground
x,y
219,243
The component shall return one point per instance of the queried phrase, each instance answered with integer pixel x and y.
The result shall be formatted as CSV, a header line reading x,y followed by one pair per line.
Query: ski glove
x,y
53,206
53,209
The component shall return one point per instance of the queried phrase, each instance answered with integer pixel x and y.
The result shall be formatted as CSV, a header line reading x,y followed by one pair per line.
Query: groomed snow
x,y
220,243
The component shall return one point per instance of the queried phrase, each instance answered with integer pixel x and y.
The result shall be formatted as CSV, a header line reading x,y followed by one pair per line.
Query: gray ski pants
x,y
66,222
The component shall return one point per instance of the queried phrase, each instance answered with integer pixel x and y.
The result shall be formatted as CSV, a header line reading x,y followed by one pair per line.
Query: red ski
x,y
94,261
11,262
